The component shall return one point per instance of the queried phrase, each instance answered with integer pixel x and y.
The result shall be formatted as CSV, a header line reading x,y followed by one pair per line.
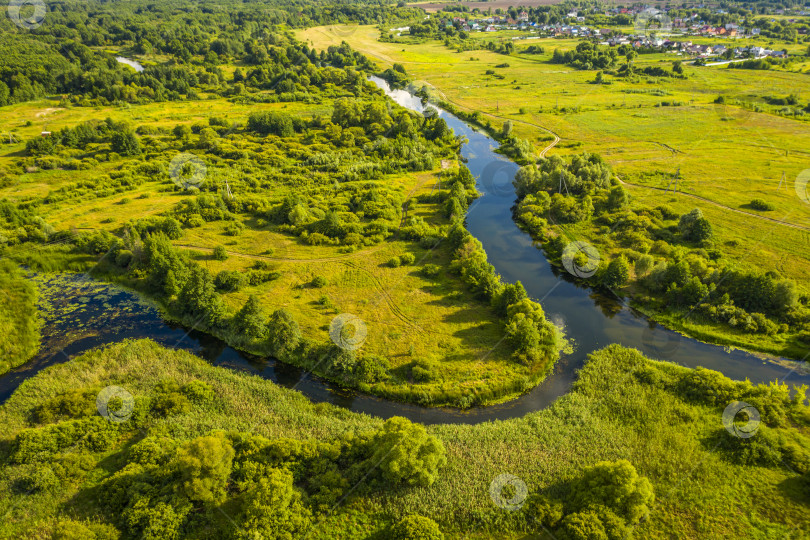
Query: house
x,y
45,134
489,28
523,16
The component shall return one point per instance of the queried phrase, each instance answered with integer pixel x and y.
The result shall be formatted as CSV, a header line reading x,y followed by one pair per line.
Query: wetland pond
x,y
80,314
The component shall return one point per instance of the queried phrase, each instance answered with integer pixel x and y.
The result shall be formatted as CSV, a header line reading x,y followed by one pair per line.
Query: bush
x,y
229,280
406,454
204,465
407,258
760,204
416,528
220,254
394,262
318,282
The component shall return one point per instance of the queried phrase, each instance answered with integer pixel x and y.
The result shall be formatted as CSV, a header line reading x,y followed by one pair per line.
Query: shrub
x,y
416,527
760,204
318,282
394,262
220,254
204,465
406,454
407,258
229,280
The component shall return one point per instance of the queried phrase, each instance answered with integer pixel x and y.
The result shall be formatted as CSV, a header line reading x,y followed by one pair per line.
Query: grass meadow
x,y
620,408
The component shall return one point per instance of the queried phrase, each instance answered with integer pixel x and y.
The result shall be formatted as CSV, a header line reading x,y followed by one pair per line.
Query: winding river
x,y
591,320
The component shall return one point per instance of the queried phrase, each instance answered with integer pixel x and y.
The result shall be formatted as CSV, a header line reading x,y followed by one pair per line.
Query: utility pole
x,y
675,179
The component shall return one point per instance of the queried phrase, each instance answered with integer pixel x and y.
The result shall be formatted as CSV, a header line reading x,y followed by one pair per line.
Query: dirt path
x,y
704,199
383,292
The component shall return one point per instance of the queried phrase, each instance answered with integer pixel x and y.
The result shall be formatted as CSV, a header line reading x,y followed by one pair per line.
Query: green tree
x,y
406,454
199,299
125,143
694,227
249,322
506,130
617,273
283,333
273,508
617,198
204,465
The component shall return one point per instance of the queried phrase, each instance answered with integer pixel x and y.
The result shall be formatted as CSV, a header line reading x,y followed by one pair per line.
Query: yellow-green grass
x,y
614,412
19,320
724,153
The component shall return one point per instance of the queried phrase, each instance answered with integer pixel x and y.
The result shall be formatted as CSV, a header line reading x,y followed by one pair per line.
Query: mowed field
x,y
407,315
725,154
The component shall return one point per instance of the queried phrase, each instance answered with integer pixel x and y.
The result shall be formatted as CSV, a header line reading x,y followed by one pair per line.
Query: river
x,y
591,320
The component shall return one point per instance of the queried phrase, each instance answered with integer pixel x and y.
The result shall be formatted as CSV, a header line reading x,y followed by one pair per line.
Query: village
x,y
654,31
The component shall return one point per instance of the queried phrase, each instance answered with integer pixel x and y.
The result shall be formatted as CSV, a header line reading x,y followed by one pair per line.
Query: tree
x,y
208,138
510,294
617,273
694,227
677,66
406,454
273,508
125,143
506,130
182,132
204,465
198,298
283,333
617,198
416,527
249,322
